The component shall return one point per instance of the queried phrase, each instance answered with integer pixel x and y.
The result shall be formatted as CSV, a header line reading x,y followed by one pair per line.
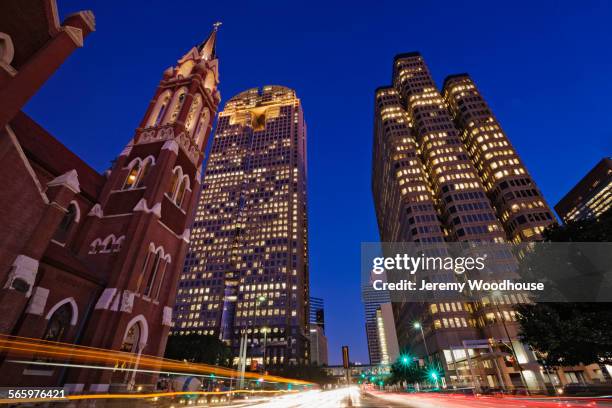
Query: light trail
x,y
143,396
438,400
23,348
138,370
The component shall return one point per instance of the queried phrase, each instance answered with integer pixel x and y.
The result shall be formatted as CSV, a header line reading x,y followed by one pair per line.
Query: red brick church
x,y
90,258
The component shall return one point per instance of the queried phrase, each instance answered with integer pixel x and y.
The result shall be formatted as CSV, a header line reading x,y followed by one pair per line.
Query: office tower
x,y
372,299
317,312
591,197
387,336
246,272
318,340
318,346
444,171
95,257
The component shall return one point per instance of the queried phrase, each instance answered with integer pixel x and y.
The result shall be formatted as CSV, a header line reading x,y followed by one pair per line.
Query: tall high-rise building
x,y
318,340
372,300
444,171
591,197
318,346
387,336
246,271
317,312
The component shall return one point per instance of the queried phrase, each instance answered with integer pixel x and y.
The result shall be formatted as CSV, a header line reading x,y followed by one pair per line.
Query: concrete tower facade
x,y
247,267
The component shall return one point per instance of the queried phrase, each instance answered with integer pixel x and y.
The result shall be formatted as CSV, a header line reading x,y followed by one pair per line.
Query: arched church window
x,y
174,182
177,107
161,278
202,126
131,339
153,273
59,323
138,172
132,177
146,166
178,186
162,111
156,116
193,113
180,194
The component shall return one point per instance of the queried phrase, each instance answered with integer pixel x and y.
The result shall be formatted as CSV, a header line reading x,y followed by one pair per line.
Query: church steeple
x,y
207,48
137,234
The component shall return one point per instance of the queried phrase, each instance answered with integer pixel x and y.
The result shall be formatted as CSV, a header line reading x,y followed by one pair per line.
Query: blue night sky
x,y
543,66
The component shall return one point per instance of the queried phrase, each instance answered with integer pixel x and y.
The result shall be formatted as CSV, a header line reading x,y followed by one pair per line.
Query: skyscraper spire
x,y
207,48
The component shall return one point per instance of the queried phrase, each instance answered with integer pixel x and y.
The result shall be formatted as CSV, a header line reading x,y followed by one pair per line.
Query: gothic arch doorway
x,y
134,341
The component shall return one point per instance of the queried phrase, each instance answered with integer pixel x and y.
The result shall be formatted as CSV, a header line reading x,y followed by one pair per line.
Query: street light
x,y
265,330
434,376
418,326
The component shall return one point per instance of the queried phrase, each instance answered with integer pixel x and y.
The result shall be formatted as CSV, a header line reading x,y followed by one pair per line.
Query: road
x,y
435,400
338,398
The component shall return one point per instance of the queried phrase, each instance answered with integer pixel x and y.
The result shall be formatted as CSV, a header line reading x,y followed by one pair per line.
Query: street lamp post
x,y
265,329
418,326
245,337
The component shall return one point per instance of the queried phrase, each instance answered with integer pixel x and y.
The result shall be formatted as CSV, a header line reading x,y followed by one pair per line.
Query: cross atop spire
x,y
207,48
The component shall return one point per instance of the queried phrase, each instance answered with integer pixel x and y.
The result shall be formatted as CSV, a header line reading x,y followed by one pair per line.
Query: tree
x,y
571,333
198,348
406,369
568,333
